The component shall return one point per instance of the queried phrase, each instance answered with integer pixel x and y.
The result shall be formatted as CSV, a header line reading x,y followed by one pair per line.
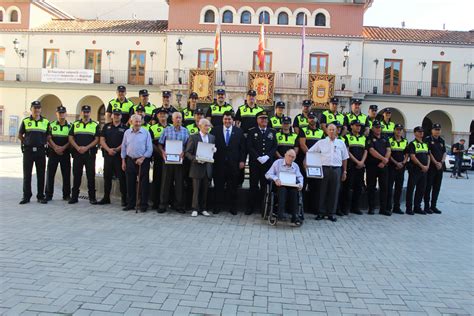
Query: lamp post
x,y
179,97
150,79
419,91
20,53
68,54
346,58
374,87
109,54
469,68
179,48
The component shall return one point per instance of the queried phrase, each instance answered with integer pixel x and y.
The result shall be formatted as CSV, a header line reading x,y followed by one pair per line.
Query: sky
x,y
425,14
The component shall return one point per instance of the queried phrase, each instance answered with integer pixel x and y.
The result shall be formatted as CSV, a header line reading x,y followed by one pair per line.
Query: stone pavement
x,y
90,260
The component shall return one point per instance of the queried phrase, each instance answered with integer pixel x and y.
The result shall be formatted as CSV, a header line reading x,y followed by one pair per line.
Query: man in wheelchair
x,y
288,179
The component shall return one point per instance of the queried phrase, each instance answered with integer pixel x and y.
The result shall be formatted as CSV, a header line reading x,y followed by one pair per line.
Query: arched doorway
x,y
49,103
442,118
397,116
96,104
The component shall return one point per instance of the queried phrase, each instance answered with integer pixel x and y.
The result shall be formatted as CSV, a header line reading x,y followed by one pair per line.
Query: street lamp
x,y
423,66
179,48
179,97
150,79
469,68
109,54
374,88
346,58
68,54
16,47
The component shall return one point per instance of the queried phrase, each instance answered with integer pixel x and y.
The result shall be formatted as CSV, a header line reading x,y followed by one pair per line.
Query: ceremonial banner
x,y
202,82
321,89
263,83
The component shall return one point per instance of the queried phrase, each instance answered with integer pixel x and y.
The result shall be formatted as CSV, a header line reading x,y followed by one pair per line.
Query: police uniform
x,y
124,106
374,173
351,117
275,121
246,115
216,111
188,113
437,148
34,152
170,110
416,178
396,176
286,141
113,136
301,120
59,135
352,187
259,144
84,134
156,130
387,127
328,117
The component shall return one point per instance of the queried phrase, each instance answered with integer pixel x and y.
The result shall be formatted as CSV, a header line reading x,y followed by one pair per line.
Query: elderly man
x,y
136,152
200,171
287,193
173,174
334,157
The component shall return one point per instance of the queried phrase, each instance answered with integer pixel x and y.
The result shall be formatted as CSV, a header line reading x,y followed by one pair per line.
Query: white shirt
x,y
205,138
225,131
333,152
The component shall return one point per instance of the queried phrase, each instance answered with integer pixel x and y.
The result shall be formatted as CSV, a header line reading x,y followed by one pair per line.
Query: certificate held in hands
x,y
314,167
174,149
205,152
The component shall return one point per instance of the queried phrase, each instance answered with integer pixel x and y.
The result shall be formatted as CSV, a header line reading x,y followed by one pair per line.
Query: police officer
x,y
308,136
417,172
59,153
33,137
145,103
83,138
140,110
301,120
396,169
356,114
373,108
111,138
245,117
166,97
261,146
331,115
188,112
356,143
121,103
377,161
216,111
276,120
388,126
286,138
194,128
341,131
156,130
437,149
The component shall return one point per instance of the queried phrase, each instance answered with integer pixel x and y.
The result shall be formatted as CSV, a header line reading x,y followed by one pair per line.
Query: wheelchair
x,y
270,205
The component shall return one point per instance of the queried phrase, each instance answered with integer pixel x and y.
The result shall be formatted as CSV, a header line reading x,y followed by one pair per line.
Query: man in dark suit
x,y
230,159
200,171
261,146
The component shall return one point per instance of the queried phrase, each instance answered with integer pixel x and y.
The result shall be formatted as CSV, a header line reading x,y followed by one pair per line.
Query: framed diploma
x,y
174,149
314,167
205,152
288,179
314,172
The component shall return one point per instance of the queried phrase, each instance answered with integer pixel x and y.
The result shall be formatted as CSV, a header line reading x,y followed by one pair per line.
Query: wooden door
x,y
136,69
440,79
94,61
392,76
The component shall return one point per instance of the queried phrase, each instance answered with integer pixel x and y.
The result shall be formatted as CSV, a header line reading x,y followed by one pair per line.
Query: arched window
x,y
246,17
283,18
228,17
209,17
301,19
320,19
264,17
14,16
1,16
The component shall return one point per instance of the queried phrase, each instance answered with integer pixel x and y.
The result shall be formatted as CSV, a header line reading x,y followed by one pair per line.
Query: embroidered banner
x,y
202,82
321,89
263,83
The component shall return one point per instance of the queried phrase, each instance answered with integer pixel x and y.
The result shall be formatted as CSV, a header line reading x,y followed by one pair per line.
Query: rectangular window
x,y
392,76
2,63
50,58
94,61
318,63
268,61
1,120
136,67
206,59
440,79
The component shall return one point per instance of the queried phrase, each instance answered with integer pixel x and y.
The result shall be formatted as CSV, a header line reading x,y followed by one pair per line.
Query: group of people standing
x,y
353,146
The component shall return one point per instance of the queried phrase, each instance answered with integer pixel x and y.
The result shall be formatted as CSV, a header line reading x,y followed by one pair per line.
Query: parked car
x,y
449,163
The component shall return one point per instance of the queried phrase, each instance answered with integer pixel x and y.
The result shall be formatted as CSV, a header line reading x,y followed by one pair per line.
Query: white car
x,y
449,163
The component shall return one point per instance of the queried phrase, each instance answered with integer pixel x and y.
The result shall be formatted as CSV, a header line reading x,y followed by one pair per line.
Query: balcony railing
x,y
113,76
416,88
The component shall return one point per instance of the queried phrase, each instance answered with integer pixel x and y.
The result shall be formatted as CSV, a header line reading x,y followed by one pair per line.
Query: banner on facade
x,y
321,89
202,82
263,83
67,75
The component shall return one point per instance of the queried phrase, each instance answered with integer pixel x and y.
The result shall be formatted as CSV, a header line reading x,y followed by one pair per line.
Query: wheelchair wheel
x,y
266,203
272,219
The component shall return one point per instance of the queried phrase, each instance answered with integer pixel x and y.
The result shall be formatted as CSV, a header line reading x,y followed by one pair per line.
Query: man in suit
x,y
261,146
230,159
200,171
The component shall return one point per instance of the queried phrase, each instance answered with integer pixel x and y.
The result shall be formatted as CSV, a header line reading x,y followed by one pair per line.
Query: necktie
x,y
227,137
263,131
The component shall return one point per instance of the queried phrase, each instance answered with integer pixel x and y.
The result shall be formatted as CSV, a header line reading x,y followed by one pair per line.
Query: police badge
x,y
270,136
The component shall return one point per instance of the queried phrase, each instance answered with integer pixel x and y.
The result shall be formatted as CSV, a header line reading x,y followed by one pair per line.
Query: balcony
x,y
416,88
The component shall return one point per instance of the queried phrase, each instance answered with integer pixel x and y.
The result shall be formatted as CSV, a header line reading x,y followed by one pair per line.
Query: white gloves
x,y
263,159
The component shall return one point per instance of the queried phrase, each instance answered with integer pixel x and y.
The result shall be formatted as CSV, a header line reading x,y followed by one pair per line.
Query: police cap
x,y
140,108
356,101
36,104
398,126
252,93
356,122
166,94
374,107
418,129
312,115
436,126
193,95
262,114
199,111
220,91
143,92
61,109
307,102
121,88
334,100
376,123
86,108
280,104
286,120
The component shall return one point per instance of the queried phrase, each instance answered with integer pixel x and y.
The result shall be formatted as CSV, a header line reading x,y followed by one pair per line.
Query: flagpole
x,y
303,38
220,53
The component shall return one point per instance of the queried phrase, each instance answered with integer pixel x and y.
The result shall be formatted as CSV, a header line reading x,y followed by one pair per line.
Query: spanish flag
x,y
261,49
217,45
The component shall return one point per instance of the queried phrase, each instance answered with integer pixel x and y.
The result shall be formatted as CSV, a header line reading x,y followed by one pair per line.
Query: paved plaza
x,y
58,259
